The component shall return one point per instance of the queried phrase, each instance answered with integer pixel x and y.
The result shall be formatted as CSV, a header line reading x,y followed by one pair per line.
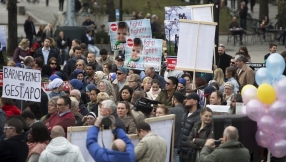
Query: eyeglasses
x,y
52,63
79,64
232,62
8,127
119,73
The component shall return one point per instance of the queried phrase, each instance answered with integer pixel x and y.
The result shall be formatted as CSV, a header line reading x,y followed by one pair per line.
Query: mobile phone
x,y
217,143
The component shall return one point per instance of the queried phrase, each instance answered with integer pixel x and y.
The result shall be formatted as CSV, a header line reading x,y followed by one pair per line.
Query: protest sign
x,y
171,62
256,66
118,32
141,53
24,84
3,38
219,108
66,86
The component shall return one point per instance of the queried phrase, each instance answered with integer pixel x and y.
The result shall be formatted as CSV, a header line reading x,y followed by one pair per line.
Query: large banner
x,y
3,38
23,84
141,53
118,31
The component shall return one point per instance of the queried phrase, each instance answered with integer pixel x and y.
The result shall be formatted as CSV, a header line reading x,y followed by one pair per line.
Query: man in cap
x,y
119,62
121,80
190,117
178,109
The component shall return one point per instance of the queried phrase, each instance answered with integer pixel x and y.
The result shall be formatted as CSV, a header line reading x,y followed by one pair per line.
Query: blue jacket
x,y
106,155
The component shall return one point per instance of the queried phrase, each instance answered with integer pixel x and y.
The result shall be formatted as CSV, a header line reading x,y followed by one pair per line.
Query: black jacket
x,y
29,28
84,39
53,53
71,65
14,149
223,61
243,13
179,112
63,43
186,128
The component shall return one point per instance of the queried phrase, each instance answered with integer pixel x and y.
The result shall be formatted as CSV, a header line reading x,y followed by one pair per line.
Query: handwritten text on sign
x,y
24,84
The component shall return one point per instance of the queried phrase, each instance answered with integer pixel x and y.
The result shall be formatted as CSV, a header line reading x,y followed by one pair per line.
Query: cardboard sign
x,y
66,86
171,62
24,84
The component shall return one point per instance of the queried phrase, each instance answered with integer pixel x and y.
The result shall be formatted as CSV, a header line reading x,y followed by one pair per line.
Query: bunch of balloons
x,y
267,105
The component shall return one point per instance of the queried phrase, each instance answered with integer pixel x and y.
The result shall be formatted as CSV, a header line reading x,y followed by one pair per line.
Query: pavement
x,y
44,15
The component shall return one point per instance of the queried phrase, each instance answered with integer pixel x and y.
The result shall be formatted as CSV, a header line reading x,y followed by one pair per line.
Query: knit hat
x,y
92,114
76,84
61,75
182,81
77,72
52,77
230,84
57,82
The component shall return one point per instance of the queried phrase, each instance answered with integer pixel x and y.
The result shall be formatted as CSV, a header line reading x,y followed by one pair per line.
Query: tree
x,y
263,9
12,27
281,13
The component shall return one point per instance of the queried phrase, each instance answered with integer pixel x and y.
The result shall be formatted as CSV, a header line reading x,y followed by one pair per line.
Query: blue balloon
x,y
275,65
261,76
276,80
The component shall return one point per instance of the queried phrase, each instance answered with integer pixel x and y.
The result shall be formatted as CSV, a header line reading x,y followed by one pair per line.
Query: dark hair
x,y
28,60
109,66
215,84
200,82
35,109
15,122
39,61
7,101
155,81
103,52
271,45
138,42
47,71
174,80
127,106
130,90
136,95
67,100
231,70
77,41
39,132
144,126
50,39
76,48
187,75
28,114
165,108
219,95
246,54
205,109
92,66
283,54
237,97
123,25
179,97
53,59
83,46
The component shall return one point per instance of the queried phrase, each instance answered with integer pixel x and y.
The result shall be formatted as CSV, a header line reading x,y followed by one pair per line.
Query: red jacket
x,y
11,110
65,121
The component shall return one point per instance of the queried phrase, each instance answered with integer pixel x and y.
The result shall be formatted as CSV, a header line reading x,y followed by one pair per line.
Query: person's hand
x,y
98,121
210,143
83,119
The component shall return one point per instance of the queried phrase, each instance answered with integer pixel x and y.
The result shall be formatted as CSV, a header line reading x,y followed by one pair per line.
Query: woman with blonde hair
x,y
146,84
48,31
99,76
21,51
219,79
106,86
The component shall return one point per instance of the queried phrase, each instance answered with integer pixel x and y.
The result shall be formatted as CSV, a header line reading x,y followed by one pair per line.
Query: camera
x,y
106,123
144,105
217,143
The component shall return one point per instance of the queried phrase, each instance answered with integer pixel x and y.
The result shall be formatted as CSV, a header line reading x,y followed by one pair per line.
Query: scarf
x,y
36,148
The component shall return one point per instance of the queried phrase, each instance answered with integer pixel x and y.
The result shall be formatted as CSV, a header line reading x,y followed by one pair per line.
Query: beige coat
x,y
246,76
152,148
115,86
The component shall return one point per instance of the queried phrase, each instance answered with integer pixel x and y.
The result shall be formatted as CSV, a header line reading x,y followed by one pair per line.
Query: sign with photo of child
x,y
141,53
118,31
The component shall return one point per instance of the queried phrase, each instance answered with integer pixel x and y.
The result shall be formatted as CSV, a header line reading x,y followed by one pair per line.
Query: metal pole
x,y
120,10
70,14
216,19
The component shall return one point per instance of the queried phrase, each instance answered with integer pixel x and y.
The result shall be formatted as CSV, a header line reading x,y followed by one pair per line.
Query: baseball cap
x,y
120,57
193,96
208,90
182,81
124,70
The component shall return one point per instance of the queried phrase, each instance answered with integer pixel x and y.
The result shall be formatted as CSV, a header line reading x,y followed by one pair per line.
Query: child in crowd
x,y
122,32
155,90
136,61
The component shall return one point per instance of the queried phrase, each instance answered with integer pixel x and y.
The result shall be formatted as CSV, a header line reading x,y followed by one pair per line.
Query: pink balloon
x,y
249,94
267,124
243,110
263,139
280,89
278,148
278,110
281,130
254,109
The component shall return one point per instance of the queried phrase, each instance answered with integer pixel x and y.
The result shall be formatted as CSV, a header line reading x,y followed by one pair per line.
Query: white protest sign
x,y
218,108
238,107
23,84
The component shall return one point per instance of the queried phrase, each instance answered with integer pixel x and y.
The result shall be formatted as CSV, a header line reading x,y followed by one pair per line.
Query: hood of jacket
x,y
59,146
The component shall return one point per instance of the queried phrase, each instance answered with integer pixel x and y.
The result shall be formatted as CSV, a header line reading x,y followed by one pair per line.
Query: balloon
x,y
261,76
267,124
249,94
243,110
281,130
275,65
263,139
278,110
276,80
246,87
266,94
255,109
280,89
278,148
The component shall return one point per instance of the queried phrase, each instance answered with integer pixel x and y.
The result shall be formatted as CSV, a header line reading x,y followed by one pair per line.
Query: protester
x,y
244,50
35,108
231,150
233,100
99,76
77,95
216,98
244,72
134,82
56,86
52,108
75,43
105,58
124,113
122,148
155,89
151,147
231,76
223,59
46,53
7,105
120,81
201,131
63,43
89,119
125,94
228,92
21,51
73,63
146,84
162,110
106,86
272,49
182,86
92,106
91,59
150,72
165,96
60,149
75,111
